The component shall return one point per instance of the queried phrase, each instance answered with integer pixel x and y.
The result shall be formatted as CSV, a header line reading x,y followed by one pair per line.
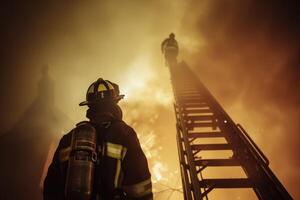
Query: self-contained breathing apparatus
x,y
81,167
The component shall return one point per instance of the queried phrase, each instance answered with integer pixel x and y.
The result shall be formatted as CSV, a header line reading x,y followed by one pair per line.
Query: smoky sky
x,y
23,26
246,53
259,36
249,58
79,40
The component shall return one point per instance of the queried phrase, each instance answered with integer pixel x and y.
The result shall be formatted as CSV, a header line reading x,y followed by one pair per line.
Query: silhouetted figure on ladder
x,y
169,48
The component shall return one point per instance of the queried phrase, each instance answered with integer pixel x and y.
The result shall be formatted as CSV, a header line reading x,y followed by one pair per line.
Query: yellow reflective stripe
x,y
118,152
139,190
117,175
114,150
124,151
91,89
101,88
110,86
64,154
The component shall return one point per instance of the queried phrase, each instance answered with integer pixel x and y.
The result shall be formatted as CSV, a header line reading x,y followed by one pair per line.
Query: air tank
x,y
81,166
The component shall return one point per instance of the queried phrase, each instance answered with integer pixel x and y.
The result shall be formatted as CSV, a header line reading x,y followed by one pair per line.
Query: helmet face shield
x,y
102,91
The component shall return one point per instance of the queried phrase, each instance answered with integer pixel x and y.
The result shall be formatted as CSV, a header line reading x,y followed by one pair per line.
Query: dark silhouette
x,y
169,48
100,158
24,149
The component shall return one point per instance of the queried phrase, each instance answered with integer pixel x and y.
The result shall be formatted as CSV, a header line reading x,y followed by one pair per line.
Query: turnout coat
x,y
121,171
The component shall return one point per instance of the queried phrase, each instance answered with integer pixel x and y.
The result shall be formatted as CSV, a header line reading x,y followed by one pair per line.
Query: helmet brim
x,y
85,103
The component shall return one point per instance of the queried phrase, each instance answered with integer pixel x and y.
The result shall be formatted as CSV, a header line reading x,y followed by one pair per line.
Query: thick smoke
x,y
82,41
246,53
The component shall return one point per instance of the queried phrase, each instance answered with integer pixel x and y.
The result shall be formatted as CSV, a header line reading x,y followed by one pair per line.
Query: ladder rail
x,y
197,99
259,155
192,169
255,148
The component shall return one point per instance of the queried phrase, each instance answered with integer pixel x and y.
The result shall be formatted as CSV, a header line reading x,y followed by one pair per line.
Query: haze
x,y
246,53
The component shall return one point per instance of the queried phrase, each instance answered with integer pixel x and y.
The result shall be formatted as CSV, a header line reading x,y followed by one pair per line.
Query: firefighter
x,y
100,158
169,48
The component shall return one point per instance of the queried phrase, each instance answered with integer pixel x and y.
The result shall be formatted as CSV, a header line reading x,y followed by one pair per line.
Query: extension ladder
x,y
201,120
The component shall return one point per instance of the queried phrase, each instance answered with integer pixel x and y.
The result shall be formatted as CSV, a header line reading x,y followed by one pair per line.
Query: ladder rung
x,y
184,94
191,100
199,118
202,124
193,103
185,83
205,135
186,87
227,183
194,106
190,96
179,83
187,92
195,111
211,147
217,162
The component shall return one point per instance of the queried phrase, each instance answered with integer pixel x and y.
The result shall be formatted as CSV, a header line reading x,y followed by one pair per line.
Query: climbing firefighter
x,y
169,48
100,158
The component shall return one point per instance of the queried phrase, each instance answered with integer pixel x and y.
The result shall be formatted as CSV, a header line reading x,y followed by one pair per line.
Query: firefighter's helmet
x,y
172,35
102,91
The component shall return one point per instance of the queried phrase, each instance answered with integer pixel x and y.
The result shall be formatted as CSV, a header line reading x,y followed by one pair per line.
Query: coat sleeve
x,y
53,183
162,46
137,178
